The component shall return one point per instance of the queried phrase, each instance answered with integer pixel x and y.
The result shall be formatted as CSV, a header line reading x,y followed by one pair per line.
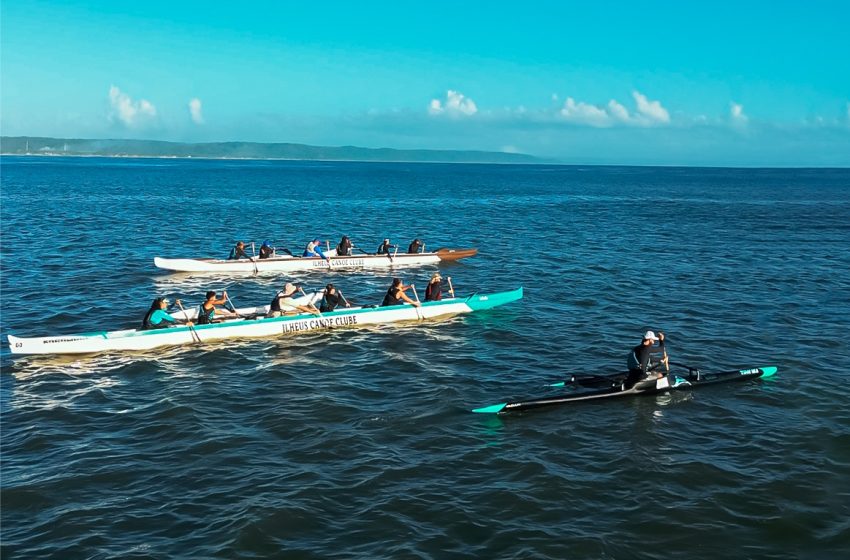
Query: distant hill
x,y
23,145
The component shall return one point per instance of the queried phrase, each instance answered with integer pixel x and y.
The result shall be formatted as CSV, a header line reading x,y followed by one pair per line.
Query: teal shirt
x,y
159,316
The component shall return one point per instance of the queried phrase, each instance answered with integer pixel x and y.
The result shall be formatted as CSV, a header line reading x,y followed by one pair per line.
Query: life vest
x,y
391,298
433,292
205,316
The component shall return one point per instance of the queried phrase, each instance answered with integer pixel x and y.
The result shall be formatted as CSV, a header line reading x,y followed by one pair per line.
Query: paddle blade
x,y
558,384
490,409
768,371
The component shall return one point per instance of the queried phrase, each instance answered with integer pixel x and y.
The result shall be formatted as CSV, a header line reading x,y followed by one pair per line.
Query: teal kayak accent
x,y
488,301
768,371
493,409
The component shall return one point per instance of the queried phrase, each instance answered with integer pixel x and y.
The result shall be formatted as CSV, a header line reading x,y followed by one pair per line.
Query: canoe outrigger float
x,y
256,327
670,382
288,263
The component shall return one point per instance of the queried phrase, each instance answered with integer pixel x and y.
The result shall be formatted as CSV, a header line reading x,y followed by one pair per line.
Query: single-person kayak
x,y
249,325
670,382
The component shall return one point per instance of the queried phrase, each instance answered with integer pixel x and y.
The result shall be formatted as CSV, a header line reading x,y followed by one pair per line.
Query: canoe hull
x,y
249,328
299,264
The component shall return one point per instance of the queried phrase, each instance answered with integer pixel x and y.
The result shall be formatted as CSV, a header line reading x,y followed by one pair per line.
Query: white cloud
x,y
456,104
195,111
648,113
585,113
651,110
129,112
736,113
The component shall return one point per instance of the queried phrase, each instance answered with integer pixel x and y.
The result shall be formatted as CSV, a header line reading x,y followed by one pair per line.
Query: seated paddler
x,y
284,303
640,361
207,310
238,252
158,317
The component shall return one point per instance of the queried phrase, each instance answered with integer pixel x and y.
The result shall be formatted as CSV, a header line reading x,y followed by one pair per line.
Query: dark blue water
x,y
359,444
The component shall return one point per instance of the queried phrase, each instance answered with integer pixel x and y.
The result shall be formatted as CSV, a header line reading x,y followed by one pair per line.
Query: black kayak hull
x,y
670,382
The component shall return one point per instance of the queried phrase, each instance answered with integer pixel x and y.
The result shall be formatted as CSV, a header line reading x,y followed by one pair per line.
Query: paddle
x,y
418,310
589,380
232,306
195,335
451,288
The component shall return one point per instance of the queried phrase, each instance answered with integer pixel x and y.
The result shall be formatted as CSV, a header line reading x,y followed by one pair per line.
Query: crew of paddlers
x,y
316,248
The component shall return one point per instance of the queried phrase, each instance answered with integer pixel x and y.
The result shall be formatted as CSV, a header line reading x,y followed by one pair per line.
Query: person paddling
x,y
640,361
434,290
396,296
384,248
207,310
238,252
158,317
415,246
331,299
283,302
344,247
266,250
314,249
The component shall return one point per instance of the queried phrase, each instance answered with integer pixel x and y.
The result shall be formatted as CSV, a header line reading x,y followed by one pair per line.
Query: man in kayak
x,y
207,310
396,296
314,249
238,252
415,246
384,248
331,299
640,361
158,317
283,302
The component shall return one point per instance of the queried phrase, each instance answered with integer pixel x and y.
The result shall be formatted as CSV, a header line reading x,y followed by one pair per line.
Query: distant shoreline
x,y
75,147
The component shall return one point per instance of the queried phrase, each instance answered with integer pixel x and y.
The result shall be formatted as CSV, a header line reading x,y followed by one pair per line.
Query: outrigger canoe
x,y
671,382
288,263
256,326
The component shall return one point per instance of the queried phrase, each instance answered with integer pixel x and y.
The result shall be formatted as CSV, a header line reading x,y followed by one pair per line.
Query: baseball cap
x,y
650,336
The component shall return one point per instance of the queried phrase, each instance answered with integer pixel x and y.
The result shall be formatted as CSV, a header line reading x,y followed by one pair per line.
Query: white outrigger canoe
x,y
255,327
288,263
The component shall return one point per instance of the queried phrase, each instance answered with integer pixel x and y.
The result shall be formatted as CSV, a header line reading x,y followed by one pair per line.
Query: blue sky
x,y
719,83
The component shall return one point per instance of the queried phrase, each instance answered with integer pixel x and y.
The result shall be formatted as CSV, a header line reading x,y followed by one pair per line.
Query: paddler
x,y
266,250
283,302
314,249
344,247
384,248
206,311
158,317
238,252
434,289
396,296
640,361
332,298
415,246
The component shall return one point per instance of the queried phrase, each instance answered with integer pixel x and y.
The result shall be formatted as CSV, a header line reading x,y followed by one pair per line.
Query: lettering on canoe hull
x,y
322,263
318,323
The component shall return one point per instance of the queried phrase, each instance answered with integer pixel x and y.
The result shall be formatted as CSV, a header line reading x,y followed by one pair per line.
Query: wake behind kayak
x,y
670,382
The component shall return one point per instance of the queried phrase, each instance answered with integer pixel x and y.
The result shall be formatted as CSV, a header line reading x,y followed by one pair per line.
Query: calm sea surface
x,y
360,443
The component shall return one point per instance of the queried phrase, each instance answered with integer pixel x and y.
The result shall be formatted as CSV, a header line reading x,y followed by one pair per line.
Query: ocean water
x,y
360,443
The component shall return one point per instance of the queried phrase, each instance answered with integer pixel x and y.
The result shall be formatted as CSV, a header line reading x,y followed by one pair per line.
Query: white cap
x,y
289,288
650,336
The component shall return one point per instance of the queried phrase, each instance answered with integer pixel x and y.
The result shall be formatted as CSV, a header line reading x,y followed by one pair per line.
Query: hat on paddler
x,y
650,336
289,288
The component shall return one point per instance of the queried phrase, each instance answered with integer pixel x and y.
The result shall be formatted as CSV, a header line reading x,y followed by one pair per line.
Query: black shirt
x,y
331,301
